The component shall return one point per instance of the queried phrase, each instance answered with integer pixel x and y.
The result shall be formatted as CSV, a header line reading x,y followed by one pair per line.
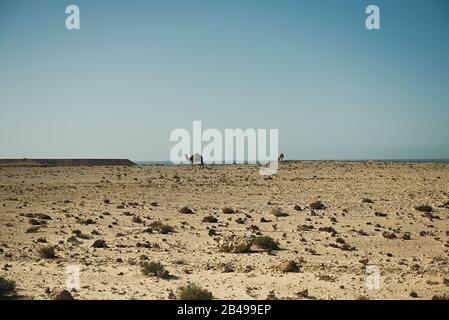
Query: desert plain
x,y
330,222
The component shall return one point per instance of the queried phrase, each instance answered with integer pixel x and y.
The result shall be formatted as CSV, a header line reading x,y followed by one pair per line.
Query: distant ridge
x,y
65,162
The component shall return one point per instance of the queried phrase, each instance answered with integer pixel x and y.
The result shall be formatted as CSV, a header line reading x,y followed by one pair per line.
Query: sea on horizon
x,y
169,163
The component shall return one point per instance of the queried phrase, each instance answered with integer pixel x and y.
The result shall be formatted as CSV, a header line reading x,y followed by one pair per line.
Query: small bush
x,y
155,269
161,228
7,287
87,222
440,297
347,247
240,220
36,222
266,242
210,219
47,252
328,229
43,216
137,219
424,208
318,205
165,229
193,292
100,243
32,229
278,213
185,210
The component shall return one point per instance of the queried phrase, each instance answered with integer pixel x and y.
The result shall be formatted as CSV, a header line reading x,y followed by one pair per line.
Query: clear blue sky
x,y
139,69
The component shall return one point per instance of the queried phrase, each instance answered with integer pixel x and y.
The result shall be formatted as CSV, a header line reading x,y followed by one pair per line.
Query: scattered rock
x,y
389,235
240,220
305,227
87,222
236,244
62,295
227,267
380,214
287,266
407,236
328,229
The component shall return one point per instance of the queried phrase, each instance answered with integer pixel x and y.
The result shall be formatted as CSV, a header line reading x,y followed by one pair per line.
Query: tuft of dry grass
x,y
100,243
194,292
228,210
33,229
161,228
47,252
277,212
155,269
266,243
210,219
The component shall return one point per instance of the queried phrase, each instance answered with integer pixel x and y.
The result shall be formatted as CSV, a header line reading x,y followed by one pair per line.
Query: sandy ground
x,y
409,247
